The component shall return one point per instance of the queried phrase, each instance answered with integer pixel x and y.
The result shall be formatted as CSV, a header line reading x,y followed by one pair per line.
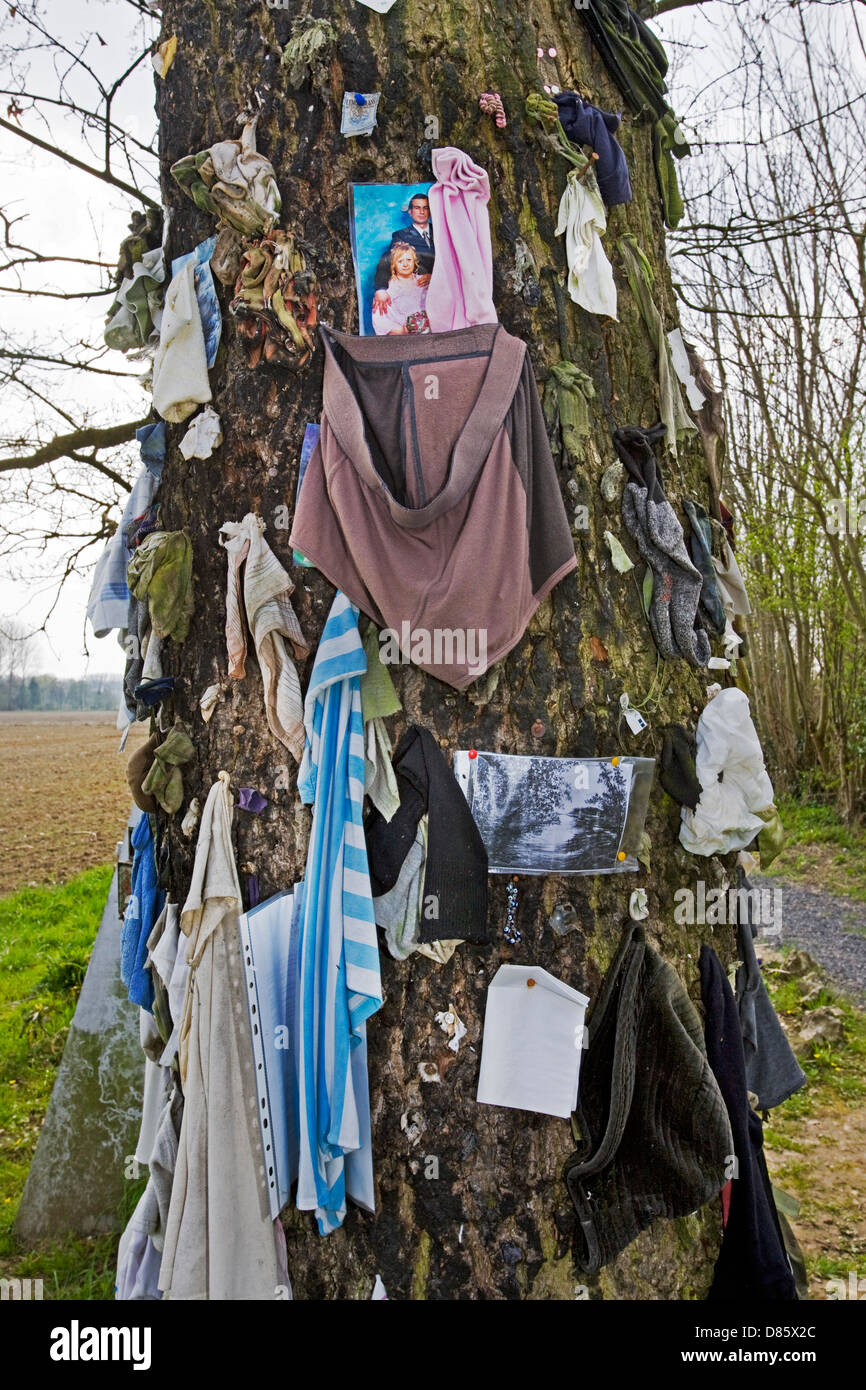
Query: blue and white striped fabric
x,y
339,983
109,596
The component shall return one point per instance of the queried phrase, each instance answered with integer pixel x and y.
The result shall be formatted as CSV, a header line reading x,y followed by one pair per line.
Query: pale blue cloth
x,y
339,983
109,596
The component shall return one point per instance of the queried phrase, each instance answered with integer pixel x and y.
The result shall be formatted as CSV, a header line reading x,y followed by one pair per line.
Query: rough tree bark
x,y
496,1223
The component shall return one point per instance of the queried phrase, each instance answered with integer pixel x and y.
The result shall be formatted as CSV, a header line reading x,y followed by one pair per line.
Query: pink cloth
x,y
460,294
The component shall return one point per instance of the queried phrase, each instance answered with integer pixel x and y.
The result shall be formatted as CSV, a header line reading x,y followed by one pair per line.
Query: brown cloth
x,y
137,769
431,498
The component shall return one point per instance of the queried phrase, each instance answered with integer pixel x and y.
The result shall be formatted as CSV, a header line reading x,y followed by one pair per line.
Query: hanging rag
x,y
339,981
205,293
636,60
677,772
585,124
641,279
272,623
151,443
144,906
711,607
160,571
180,379
233,182
567,393
164,782
274,304
653,524
220,1241
752,1264
735,787
108,602
730,580
669,139
460,293
398,911
378,700
135,316
137,768
455,873
651,1124
584,221
203,436
772,1071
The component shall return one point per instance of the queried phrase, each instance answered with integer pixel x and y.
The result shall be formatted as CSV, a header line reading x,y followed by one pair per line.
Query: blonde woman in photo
x,y
405,312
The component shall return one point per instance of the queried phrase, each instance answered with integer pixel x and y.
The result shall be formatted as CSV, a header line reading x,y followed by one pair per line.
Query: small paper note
x,y
533,1036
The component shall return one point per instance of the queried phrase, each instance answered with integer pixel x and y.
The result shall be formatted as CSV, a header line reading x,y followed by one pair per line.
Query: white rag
x,y
583,220
220,1241
180,379
726,816
271,621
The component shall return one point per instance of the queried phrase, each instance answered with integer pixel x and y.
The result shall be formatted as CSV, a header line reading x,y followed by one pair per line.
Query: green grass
x,y
46,935
821,850
835,1082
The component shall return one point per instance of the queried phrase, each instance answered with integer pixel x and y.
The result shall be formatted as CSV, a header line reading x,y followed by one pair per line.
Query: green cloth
x,y
631,52
569,391
641,280
636,60
668,141
164,781
772,838
378,696
160,571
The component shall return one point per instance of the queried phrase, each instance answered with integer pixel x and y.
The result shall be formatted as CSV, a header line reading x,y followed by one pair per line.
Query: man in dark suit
x,y
420,237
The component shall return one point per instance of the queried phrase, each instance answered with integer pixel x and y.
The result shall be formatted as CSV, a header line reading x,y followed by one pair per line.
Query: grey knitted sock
x,y
658,534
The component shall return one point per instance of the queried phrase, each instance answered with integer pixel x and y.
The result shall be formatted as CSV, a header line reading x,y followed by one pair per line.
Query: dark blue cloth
x,y
153,692
585,124
752,1264
143,908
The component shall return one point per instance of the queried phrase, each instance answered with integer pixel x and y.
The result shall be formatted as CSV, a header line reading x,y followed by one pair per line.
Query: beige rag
x,y
271,620
219,1240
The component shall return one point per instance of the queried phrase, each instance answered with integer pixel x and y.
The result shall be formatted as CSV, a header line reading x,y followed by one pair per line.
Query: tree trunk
x,y
491,1218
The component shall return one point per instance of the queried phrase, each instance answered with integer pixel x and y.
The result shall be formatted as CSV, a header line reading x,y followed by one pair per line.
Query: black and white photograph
x,y
547,815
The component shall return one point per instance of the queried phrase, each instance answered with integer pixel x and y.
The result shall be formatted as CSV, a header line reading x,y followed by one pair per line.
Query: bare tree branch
x,y
71,445
104,175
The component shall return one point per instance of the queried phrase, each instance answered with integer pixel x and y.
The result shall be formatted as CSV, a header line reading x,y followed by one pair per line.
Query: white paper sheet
x,y
533,1036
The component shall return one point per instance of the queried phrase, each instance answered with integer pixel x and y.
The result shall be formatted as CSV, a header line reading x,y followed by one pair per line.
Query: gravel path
x,y
831,929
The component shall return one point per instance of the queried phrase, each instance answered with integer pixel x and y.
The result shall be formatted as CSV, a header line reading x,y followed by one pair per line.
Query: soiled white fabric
x,y
139,1254
583,220
272,622
220,1241
203,436
242,174
399,910
138,1259
727,816
169,960
209,700
732,586
180,379
157,1084
380,780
